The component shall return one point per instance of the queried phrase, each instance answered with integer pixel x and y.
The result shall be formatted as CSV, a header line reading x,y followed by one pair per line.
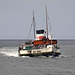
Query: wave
x,y
63,56
9,51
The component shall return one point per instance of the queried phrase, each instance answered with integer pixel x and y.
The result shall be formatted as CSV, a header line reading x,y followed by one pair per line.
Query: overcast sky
x,y
16,18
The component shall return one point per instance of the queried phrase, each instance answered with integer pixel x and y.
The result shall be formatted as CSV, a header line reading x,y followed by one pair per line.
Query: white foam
x,y
9,51
63,56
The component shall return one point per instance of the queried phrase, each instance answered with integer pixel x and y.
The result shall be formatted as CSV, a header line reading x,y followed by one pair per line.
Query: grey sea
x,y
12,64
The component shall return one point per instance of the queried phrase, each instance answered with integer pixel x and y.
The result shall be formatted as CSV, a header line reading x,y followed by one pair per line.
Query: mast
x,y
50,30
46,22
34,24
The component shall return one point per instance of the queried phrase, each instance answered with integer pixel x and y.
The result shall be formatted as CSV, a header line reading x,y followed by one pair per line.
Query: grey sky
x,y
16,17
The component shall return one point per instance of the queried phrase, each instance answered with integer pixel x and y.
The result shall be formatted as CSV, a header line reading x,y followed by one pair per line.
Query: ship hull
x,y
39,52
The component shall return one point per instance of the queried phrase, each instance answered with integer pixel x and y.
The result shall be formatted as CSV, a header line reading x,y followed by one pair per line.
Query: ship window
x,y
34,51
38,51
40,31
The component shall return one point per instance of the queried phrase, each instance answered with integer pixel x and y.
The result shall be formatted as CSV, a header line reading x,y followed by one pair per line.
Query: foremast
x,y
46,23
34,24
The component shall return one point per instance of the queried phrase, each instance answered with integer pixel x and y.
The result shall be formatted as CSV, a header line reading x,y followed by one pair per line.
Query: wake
x,y
9,51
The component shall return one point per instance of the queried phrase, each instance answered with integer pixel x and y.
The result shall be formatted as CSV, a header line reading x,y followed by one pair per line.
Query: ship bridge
x,y
40,34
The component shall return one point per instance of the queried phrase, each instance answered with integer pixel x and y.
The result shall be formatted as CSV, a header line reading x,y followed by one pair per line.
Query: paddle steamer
x,y
42,45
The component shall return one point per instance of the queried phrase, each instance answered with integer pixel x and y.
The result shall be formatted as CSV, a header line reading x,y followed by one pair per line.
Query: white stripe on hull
x,y
38,51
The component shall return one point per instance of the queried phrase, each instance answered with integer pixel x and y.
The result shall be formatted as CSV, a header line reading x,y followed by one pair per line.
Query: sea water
x,y
12,64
